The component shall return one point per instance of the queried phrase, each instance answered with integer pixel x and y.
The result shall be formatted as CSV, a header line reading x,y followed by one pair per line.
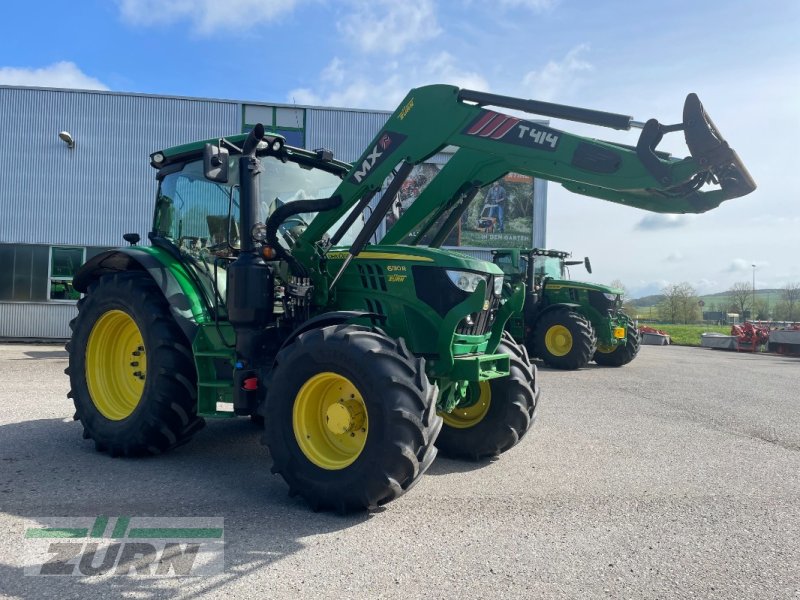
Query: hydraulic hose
x,y
290,209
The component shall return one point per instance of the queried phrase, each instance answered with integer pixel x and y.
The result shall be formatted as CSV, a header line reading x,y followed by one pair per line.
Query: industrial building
x,y
76,177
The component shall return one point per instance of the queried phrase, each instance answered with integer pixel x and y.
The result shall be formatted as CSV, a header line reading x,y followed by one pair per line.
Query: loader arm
x,y
491,144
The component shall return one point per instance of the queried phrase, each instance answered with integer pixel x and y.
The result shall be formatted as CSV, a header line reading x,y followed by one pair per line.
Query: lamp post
x,y
753,315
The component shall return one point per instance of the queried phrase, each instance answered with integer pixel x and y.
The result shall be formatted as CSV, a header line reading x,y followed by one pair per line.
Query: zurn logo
x,y
133,546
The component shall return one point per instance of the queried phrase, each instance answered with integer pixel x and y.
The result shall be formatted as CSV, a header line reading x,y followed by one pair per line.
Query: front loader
x,y
263,292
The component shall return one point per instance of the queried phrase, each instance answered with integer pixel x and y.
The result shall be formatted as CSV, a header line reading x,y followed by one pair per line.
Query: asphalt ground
x,y
676,476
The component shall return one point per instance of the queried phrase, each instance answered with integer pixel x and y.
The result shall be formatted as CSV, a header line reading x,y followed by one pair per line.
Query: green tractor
x,y
265,291
567,323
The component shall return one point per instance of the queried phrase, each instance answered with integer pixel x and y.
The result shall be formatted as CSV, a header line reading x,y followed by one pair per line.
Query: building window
x,y
23,274
64,263
287,121
38,273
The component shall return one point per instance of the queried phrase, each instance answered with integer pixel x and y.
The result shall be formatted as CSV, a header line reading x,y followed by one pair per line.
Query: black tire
x,y
400,404
511,412
165,414
578,348
621,355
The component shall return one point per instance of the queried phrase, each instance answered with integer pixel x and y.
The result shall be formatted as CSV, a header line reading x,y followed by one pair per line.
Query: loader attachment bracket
x,y
720,162
711,151
652,134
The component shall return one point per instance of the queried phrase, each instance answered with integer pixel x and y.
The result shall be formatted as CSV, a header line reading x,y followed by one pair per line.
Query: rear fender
x,y
186,301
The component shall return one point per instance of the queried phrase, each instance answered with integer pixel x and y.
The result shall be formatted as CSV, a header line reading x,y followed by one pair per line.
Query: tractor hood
x,y
555,284
422,255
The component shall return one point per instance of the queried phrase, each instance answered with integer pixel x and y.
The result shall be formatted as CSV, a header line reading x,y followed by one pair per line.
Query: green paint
x,y
99,527
121,527
175,532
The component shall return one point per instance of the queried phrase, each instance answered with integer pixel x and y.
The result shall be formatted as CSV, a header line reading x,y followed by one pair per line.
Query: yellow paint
x,y
577,287
393,256
330,421
380,256
464,418
406,109
116,365
558,340
619,332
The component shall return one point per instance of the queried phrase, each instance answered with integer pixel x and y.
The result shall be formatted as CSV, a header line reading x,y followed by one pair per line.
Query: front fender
x,y
186,301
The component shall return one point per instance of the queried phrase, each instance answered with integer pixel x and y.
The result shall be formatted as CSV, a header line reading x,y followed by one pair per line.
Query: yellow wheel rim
x,y
558,340
116,365
469,416
330,421
603,349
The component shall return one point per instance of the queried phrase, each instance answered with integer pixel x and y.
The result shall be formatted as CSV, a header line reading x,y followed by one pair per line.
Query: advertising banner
x,y
500,215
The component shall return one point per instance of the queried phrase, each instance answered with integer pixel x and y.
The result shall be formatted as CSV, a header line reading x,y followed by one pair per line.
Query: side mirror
x,y
215,163
588,264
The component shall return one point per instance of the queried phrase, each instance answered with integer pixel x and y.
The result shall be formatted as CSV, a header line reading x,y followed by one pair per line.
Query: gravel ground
x,y
676,476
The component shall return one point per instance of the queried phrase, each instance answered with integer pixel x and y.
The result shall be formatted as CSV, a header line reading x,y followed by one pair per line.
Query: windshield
x,y
548,266
195,213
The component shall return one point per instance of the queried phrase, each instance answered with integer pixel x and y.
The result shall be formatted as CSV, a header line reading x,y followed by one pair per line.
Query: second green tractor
x,y
567,323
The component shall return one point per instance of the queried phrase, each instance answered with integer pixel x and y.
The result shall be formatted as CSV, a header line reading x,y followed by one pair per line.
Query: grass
x,y
689,335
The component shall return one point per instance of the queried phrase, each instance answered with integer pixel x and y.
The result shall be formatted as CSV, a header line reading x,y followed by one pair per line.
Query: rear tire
x,y
131,369
350,418
620,355
564,339
503,413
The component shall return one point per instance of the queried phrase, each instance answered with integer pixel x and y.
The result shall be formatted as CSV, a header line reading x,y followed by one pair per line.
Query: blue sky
x,y
741,57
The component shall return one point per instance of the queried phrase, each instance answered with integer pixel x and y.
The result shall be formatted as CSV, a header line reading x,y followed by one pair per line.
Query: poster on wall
x,y
500,215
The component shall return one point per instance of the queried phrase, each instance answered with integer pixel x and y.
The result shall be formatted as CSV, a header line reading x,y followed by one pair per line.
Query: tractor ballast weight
x,y
261,293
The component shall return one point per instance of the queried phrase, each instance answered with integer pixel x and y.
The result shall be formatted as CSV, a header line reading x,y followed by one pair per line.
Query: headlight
x,y
498,285
611,297
466,281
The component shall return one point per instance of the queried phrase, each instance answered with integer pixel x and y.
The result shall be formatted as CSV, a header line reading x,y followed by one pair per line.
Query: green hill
x,y
718,301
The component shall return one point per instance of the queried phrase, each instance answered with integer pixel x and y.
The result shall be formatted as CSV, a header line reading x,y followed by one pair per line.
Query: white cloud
x,y
206,16
534,5
740,265
61,75
660,221
674,257
334,89
558,78
387,26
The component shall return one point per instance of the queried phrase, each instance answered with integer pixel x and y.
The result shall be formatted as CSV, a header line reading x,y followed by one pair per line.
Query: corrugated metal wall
x,y
36,320
104,187
347,133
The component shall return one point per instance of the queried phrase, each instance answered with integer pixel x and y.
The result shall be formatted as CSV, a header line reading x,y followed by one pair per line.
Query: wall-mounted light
x,y
66,137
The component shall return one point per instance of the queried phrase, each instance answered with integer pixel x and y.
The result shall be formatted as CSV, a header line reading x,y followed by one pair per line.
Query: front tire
x,y
131,369
617,356
502,412
564,339
350,418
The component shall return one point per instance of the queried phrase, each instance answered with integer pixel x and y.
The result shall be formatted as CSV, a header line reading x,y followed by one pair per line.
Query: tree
x,y
791,295
741,294
628,307
762,309
680,304
788,307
